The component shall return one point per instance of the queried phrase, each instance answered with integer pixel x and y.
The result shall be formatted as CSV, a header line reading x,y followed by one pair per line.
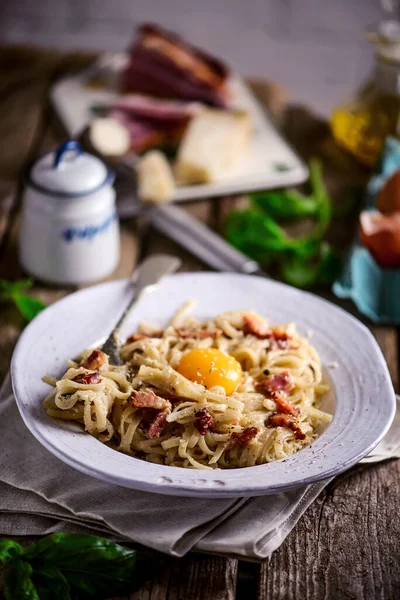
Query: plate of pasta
x,y
230,385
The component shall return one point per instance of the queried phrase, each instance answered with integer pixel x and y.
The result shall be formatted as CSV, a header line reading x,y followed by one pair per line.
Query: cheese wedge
x,y
154,177
212,146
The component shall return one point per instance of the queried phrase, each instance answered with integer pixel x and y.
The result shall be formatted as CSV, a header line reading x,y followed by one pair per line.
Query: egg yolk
x,y
211,367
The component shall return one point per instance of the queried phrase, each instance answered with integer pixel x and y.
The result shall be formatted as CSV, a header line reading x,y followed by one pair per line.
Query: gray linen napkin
x,y
39,495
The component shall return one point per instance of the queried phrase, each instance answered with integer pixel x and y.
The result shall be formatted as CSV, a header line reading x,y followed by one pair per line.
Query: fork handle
x,y
145,279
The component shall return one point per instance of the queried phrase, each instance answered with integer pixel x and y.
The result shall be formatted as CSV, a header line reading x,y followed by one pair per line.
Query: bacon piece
x,y
135,337
148,399
94,361
281,382
279,339
288,421
158,424
163,64
276,388
149,108
198,334
87,378
284,406
243,437
203,421
254,326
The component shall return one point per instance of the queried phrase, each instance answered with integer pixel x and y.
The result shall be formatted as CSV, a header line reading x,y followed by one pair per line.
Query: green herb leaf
x,y
304,261
9,550
51,584
19,585
322,198
93,565
299,273
9,288
286,205
322,270
261,238
256,235
28,306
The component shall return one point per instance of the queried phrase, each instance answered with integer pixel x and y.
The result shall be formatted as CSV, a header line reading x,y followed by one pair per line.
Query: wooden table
x,y
347,545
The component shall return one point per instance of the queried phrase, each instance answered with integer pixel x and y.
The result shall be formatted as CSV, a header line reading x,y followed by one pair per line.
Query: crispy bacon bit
x,y
279,339
284,406
276,388
136,337
148,399
94,361
198,334
242,438
87,378
203,421
273,384
158,424
254,326
288,421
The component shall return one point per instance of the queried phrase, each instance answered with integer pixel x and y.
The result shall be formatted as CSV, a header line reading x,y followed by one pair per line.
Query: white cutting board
x,y
270,162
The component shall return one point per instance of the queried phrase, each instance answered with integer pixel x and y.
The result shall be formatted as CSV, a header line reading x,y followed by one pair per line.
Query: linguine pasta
x,y
229,392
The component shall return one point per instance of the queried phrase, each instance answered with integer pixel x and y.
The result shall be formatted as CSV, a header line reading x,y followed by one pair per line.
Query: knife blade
x,y
200,240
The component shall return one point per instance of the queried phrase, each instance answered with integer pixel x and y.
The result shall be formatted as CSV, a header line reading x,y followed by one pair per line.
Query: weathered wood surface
x,y
347,543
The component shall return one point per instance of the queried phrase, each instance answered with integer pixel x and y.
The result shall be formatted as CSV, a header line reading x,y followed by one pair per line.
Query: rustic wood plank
x,y
156,588
7,192
25,81
272,96
347,544
206,577
193,577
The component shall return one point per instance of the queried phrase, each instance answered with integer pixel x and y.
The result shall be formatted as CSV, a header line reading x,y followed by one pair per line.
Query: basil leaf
x,y
304,248
51,584
263,240
324,203
93,565
19,585
9,288
321,270
9,550
287,205
28,306
250,228
304,260
299,273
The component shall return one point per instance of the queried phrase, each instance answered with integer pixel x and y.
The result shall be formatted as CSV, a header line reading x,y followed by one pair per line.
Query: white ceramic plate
x,y
365,401
269,163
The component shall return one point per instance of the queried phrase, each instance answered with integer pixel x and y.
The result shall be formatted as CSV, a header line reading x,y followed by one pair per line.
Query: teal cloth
x,y
375,291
